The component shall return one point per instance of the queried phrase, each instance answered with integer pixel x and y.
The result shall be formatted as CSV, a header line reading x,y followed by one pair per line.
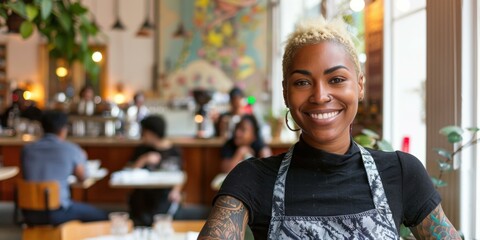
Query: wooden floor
x,y
10,231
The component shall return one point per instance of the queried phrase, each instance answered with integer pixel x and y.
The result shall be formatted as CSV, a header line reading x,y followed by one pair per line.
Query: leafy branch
x,y
64,23
454,135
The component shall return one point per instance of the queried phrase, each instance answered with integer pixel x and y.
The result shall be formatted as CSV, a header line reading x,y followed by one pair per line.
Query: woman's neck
x,y
338,146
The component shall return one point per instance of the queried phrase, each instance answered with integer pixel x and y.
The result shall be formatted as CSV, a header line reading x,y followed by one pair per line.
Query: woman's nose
x,y
320,94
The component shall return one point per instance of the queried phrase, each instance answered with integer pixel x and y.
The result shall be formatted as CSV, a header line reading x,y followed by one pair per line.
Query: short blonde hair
x,y
313,31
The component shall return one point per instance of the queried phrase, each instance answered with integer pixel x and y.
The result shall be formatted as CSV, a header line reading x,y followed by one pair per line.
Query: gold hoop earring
x,y
286,122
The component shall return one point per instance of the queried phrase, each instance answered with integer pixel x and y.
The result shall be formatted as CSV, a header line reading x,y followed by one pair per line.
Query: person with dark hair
x,y
225,123
20,108
54,158
246,142
155,153
86,104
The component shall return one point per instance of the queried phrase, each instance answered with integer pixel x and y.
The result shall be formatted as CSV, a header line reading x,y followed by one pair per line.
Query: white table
x,y
90,180
8,172
141,178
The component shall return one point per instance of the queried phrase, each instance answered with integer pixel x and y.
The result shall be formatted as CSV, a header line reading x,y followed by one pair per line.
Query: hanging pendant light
x,y
147,28
180,32
118,25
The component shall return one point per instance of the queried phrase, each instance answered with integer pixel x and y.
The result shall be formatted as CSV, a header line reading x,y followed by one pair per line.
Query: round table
x,y
8,172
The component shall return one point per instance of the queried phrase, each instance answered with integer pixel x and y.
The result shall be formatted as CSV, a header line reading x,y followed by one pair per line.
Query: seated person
x,y
21,108
226,122
156,153
245,143
54,158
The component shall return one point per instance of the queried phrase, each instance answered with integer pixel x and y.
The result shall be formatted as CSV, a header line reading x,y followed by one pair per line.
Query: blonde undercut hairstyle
x,y
314,31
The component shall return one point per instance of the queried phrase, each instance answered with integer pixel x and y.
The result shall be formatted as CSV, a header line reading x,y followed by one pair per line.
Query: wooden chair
x,y
76,230
37,196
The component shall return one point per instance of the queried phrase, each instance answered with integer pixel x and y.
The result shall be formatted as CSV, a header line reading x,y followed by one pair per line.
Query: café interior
x,y
181,58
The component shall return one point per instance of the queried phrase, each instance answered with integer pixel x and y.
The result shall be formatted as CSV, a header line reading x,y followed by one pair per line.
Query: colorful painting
x,y
212,44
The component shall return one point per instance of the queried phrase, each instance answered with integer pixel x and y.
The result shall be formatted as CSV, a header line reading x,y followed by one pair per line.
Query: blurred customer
x,y
54,158
155,153
86,104
138,107
226,122
20,108
246,142
135,113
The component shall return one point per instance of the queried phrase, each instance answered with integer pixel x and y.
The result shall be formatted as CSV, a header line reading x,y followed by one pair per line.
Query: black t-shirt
x,y
325,184
229,148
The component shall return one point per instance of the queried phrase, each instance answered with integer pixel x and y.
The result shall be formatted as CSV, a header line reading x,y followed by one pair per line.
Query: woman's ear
x,y
361,86
284,86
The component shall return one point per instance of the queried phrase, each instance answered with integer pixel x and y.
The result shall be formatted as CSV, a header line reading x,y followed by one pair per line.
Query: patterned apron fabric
x,y
372,224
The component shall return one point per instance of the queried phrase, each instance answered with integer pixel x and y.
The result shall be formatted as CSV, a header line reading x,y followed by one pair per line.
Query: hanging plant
x,y
64,24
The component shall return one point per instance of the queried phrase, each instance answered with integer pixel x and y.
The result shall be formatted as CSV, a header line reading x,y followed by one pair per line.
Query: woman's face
x,y
322,91
148,137
244,133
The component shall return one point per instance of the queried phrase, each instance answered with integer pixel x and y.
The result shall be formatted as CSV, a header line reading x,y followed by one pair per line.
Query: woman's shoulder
x,y
260,165
405,162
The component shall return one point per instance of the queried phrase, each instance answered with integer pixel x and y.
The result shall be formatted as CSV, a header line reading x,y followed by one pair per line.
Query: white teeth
x,y
324,115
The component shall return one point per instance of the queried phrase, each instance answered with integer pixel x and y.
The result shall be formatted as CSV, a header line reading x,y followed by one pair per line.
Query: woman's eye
x,y
336,80
301,83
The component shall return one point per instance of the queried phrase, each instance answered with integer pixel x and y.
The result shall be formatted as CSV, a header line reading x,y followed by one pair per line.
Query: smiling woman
x,y
326,186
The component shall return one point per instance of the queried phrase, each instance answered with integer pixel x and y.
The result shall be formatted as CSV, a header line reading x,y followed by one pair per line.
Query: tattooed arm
x,y
435,226
228,220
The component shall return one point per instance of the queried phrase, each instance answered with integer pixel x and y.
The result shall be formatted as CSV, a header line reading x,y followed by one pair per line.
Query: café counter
x,y
201,164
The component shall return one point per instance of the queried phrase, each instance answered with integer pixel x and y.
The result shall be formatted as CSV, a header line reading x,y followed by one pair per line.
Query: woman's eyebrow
x,y
333,69
325,72
300,71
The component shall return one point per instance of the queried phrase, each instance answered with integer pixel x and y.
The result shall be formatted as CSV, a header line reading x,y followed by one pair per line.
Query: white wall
x,y
130,58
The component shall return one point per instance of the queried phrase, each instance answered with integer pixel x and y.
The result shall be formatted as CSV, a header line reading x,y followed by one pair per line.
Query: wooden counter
x,y
201,163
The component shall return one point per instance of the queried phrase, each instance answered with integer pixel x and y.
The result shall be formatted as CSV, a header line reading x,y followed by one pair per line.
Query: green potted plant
x,y
64,24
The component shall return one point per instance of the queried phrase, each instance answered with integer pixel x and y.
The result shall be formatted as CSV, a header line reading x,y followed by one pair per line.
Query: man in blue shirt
x,y
54,158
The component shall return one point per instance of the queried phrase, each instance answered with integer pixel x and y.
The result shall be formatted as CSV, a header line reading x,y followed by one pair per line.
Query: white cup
x,y
119,223
162,225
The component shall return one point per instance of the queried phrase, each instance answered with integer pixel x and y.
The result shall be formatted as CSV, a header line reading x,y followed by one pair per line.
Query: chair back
x,y
38,196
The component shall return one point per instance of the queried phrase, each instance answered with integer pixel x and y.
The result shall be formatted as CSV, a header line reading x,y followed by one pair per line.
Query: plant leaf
x,y
370,133
473,129
438,182
384,146
65,21
32,12
18,7
454,137
444,166
46,8
444,153
26,29
445,131
365,141
77,9
3,13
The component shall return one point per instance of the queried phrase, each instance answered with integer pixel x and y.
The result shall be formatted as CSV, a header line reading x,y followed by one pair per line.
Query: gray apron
x,y
372,224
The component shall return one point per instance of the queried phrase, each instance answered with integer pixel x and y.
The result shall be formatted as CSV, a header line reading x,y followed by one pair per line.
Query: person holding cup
x,y
155,153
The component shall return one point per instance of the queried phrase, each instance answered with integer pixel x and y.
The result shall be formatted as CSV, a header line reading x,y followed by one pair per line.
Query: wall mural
x,y
212,44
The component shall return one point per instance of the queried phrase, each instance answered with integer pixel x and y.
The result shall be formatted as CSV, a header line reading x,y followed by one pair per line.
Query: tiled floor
x,y
10,231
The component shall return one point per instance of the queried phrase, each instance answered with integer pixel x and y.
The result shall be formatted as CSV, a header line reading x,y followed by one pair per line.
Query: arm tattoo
x,y
227,220
435,226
